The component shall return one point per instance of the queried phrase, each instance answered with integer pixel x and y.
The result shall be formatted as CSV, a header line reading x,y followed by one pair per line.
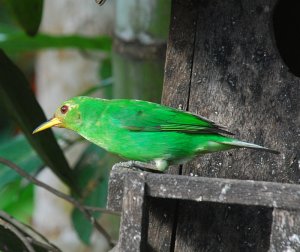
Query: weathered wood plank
x,y
133,232
200,197
116,187
177,79
226,191
180,53
285,235
218,190
239,80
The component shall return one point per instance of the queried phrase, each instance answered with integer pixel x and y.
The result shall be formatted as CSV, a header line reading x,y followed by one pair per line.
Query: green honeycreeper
x,y
144,131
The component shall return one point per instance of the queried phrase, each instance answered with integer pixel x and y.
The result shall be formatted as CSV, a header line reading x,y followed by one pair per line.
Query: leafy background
x,y
20,113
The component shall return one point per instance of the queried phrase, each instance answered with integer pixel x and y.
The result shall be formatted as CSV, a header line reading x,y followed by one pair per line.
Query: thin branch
x,y
19,234
85,210
29,230
44,246
52,190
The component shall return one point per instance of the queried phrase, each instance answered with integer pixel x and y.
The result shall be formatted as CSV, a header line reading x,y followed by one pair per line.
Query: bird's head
x,y
67,115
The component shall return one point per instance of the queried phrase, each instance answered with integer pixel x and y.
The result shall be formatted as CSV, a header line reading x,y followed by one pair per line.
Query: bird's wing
x,y
151,117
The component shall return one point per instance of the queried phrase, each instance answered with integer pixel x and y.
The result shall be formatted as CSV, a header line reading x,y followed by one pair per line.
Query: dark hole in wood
x,y
286,23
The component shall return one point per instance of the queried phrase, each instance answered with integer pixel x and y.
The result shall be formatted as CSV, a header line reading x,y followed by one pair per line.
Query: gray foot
x,y
139,166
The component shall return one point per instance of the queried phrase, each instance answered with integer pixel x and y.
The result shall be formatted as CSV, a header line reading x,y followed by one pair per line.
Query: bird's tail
x,y
241,144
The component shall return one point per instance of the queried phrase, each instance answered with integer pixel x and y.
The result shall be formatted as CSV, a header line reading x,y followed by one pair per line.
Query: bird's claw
x,y
139,166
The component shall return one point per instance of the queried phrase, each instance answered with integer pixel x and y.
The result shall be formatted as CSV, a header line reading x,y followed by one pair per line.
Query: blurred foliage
x,y
13,40
28,13
22,105
16,194
17,199
21,153
89,178
93,183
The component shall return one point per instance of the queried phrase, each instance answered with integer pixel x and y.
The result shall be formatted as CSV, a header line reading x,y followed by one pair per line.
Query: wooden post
x,y
203,196
234,75
285,231
133,235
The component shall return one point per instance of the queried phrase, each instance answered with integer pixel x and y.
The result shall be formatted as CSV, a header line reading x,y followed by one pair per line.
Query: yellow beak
x,y
50,123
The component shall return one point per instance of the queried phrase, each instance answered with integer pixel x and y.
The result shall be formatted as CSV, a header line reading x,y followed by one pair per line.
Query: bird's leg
x,y
141,166
161,164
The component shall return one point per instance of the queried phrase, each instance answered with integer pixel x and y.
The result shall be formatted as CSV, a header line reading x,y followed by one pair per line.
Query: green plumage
x,y
144,131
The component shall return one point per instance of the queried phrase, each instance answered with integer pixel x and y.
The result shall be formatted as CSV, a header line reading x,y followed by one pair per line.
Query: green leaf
x,y
13,40
21,104
17,200
19,151
28,14
91,172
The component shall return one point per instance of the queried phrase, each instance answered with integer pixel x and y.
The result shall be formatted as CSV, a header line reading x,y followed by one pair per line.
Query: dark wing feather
x,y
151,117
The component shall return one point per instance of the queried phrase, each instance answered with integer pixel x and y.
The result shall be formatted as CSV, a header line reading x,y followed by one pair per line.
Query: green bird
x,y
144,131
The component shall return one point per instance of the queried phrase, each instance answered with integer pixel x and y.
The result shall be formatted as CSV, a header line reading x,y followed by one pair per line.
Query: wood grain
x,y
285,231
222,211
239,80
177,80
133,235
179,57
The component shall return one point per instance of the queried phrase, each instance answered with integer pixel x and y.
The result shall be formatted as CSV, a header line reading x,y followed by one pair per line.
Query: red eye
x,y
64,109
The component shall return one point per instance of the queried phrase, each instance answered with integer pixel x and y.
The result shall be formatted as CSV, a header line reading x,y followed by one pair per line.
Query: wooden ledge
x,y
129,190
227,191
